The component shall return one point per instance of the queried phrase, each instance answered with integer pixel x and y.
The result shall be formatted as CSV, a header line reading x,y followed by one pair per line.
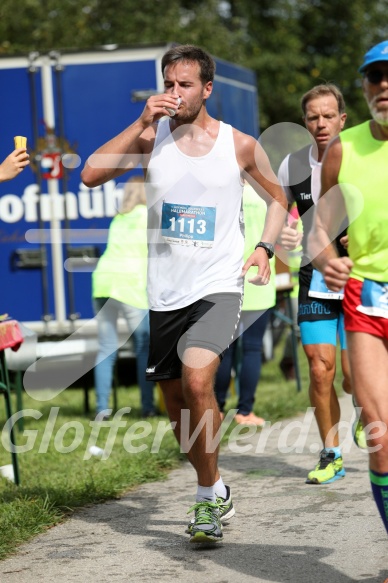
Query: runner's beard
x,y
191,112
380,117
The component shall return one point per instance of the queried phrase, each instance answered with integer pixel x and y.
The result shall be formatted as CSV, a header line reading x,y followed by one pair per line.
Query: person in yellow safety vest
x,y
255,316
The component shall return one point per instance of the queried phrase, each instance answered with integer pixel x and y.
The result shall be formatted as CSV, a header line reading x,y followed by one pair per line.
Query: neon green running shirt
x,y
256,297
365,167
121,272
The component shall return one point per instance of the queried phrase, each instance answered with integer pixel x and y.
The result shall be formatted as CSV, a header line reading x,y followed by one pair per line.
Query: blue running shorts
x,y
324,332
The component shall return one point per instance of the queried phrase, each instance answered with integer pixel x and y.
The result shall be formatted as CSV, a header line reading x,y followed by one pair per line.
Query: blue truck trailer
x,y
67,105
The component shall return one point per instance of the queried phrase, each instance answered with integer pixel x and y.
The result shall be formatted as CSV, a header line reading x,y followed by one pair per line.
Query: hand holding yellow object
x,y
20,142
16,161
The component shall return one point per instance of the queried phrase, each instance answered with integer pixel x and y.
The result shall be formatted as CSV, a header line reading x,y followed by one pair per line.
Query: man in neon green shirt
x,y
354,183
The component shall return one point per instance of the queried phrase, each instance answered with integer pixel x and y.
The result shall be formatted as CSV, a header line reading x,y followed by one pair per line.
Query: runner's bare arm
x,y
256,169
328,217
129,148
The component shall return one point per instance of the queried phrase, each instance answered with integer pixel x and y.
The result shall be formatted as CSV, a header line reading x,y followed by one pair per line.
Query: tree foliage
x,y
291,45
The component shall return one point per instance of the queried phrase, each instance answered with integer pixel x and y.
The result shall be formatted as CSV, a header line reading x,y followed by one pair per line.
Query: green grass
x,y
53,484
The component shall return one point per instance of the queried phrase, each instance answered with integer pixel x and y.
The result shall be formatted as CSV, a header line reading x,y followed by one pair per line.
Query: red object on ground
x,y
10,335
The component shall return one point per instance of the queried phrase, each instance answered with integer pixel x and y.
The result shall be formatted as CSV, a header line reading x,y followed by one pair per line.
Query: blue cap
x,y
377,53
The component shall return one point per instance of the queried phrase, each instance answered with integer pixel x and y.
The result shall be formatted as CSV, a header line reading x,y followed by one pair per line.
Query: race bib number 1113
x,y
188,225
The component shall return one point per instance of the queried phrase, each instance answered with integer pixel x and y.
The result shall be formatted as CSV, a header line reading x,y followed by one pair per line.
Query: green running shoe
x,y
359,434
206,527
358,428
226,510
329,469
226,507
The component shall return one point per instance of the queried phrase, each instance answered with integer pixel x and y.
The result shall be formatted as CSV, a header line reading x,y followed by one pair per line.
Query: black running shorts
x,y
209,323
314,309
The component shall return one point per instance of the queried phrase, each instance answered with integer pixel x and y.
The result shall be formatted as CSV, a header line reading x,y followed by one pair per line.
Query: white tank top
x,y
195,221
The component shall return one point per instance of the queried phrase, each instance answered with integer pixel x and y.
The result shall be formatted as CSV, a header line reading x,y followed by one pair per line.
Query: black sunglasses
x,y
375,76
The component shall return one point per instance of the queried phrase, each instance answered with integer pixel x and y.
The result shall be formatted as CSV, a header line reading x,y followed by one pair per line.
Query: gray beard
x,y
380,118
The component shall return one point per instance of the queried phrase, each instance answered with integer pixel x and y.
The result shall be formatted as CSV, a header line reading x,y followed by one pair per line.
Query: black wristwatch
x,y
268,247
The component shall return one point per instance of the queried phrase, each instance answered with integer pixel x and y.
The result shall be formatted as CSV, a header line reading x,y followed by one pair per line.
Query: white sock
x,y
220,489
206,494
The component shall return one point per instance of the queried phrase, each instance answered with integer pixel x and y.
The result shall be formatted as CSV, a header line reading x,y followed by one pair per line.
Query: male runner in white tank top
x,y
194,167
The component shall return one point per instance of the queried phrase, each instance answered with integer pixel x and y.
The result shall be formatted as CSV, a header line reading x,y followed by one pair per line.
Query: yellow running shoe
x,y
329,469
358,428
359,434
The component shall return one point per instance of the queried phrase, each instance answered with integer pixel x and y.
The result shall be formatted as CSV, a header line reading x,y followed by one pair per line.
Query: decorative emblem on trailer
x,y
51,155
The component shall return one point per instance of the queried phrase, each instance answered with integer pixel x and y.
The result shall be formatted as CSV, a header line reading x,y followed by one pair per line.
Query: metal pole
x,y
58,68
53,191
32,70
